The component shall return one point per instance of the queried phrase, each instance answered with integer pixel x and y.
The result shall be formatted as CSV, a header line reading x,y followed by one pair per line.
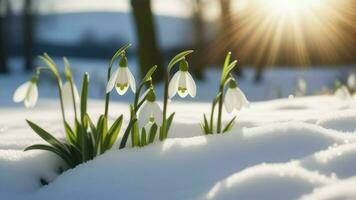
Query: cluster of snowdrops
x,y
148,122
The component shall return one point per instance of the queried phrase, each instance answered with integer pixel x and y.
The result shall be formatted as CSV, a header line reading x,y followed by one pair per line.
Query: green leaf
x,y
119,52
149,74
229,125
126,134
143,137
227,60
71,137
135,136
113,133
227,70
92,126
50,63
67,69
83,99
103,133
178,58
59,152
83,142
216,99
75,154
205,125
169,121
45,135
152,134
100,129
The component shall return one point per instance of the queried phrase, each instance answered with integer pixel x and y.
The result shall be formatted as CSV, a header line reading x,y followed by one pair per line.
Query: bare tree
x,y
28,33
148,50
198,25
228,29
3,36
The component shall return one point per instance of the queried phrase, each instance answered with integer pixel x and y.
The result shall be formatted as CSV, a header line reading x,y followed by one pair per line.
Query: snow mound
x,y
268,181
335,161
282,149
345,122
344,189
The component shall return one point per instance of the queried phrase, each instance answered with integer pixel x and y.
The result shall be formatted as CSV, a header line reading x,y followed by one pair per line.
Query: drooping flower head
x,y
343,93
67,94
150,111
27,92
301,87
182,82
122,79
351,81
234,98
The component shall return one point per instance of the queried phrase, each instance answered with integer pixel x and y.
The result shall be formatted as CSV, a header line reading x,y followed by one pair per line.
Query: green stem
x,y
107,95
59,84
212,117
137,96
221,90
165,102
73,98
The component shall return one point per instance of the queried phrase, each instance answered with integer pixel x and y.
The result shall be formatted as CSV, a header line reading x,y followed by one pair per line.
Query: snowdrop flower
x,y
68,95
235,98
182,82
27,92
122,78
302,87
351,81
343,93
150,111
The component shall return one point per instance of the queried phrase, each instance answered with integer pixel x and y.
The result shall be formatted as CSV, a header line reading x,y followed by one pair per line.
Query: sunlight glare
x,y
286,7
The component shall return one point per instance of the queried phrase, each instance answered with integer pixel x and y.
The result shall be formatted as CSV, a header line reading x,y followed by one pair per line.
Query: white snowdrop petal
x,y
156,113
67,95
21,92
131,80
182,84
243,100
144,114
122,76
112,81
351,81
32,96
76,94
173,85
237,100
182,79
343,93
121,91
183,94
228,101
191,87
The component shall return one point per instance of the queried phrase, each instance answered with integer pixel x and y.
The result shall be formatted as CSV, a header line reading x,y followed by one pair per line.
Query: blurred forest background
x,y
260,33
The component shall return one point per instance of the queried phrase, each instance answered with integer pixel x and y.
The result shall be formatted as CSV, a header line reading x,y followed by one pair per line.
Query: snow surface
x,y
301,148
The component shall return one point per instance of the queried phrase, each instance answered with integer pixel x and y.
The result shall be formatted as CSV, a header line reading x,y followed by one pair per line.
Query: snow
x,y
300,148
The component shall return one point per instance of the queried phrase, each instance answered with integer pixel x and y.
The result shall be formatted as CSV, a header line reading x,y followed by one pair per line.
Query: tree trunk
x,y
198,56
258,74
3,44
148,50
227,30
28,34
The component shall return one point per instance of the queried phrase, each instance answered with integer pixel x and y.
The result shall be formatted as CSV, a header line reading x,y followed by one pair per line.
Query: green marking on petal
x,y
182,89
122,86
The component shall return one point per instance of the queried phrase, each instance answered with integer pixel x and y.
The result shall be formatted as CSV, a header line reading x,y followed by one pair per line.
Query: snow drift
x,y
303,148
